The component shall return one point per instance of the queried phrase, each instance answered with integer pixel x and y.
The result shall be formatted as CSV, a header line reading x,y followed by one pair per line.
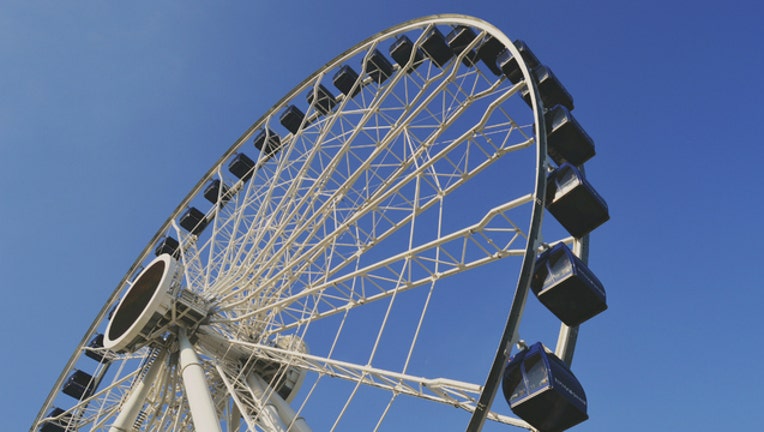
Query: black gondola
x,y
167,245
267,142
242,166
436,48
542,390
79,385
567,141
567,287
488,51
508,64
551,89
322,99
57,425
216,188
344,80
458,39
292,118
401,51
378,67
193,221
574,202
95,348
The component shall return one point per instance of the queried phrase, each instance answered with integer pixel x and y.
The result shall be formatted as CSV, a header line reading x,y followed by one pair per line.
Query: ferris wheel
x,y
360,259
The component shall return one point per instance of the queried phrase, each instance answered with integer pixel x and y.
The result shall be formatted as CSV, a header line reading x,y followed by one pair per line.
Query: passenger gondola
x,y
542,390
193,221
79,385
574,202
167,245
95,348
216,189
566,286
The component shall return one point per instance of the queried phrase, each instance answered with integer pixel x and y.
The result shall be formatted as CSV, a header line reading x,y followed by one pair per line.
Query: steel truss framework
x,y
373,254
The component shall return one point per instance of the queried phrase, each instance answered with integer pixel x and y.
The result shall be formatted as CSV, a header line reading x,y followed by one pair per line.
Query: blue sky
x,y
110,113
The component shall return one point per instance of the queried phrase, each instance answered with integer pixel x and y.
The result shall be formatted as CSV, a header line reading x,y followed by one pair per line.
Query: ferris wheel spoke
x,y
99,409
392,133
132,405
352,234
446,391
378,206
410,210
246,403
285,203
489,240
257,402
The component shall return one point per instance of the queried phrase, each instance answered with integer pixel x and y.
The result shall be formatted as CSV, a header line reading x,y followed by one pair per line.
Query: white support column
x,y
198,393
276,405
130,409
269,416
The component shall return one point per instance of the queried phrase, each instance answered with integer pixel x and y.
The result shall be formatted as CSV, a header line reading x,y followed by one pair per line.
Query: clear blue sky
x,y
110,113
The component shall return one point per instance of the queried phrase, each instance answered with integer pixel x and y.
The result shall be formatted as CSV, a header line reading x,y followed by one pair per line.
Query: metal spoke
x,y
320,275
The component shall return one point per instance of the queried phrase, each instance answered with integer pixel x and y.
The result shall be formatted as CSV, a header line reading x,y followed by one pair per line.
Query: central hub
x,y
154,302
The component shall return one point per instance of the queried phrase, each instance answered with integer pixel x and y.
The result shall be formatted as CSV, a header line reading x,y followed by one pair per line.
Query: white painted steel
x,y
136,398
160,301
350,240
278,406
268,416
201,404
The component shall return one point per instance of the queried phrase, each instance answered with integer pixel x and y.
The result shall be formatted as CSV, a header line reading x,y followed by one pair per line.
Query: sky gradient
x,y
110,113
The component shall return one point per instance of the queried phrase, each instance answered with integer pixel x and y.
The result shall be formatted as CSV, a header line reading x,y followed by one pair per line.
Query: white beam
x,y
131,407
274,401
200,401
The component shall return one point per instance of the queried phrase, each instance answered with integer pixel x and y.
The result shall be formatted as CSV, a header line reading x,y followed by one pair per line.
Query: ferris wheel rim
x,y
452,19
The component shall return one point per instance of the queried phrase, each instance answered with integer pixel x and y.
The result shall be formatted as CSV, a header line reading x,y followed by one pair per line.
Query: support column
x,y
269,415
275,405
197,391
130,409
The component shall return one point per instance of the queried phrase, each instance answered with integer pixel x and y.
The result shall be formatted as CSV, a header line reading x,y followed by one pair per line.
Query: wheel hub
x,y
154,304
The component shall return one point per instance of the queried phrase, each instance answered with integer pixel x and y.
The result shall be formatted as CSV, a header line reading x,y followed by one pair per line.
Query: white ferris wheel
x,y
360,259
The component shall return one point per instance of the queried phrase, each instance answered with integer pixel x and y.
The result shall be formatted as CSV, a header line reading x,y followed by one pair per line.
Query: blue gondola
x,y
322,99
508,64
79,385
344,80
566,286
567,141
378,67
58,425
216,188
542,390
292,118
436,48
574,202
458,39
551,89
193,221
167,245
401,52
488,51
242,166
267,141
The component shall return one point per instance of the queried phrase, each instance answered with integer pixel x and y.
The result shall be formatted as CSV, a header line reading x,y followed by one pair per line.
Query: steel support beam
x,y
132,406
200,401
